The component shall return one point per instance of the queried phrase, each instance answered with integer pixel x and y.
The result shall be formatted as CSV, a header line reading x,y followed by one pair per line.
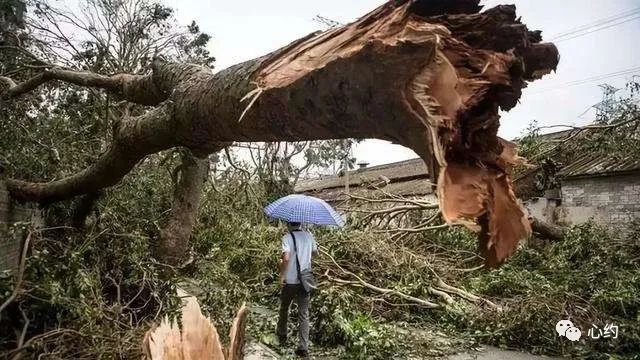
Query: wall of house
x,y
12,216
611,200
544,209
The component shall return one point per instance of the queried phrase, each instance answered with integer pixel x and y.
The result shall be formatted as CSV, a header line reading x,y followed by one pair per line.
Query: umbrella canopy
x,y
304,209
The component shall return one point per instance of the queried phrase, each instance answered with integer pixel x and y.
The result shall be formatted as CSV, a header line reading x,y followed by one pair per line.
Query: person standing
x,y
298,248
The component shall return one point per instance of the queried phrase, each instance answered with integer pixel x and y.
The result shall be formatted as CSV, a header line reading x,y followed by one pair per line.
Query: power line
x,y
589,28
604,76
598,25
619,73
599,22
597,29
589,80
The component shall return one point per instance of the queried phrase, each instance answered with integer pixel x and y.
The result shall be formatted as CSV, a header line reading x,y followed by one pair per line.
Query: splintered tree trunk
x,y
196,338
428,74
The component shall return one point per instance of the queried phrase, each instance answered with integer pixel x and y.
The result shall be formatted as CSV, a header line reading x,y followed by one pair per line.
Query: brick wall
x,y
612,200
12,233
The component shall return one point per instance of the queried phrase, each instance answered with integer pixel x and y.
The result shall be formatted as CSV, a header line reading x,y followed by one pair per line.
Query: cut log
x,y
431,75
547,230
236,335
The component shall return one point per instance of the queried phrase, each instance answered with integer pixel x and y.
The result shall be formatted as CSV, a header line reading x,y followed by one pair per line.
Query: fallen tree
x,y
426,74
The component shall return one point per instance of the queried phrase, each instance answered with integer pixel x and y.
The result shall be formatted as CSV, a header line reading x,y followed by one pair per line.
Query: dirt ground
x,y
493,353
257,351
428,344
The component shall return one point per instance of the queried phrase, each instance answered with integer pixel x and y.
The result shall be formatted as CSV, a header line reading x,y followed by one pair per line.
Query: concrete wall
x,y
13,219
610,200
543,209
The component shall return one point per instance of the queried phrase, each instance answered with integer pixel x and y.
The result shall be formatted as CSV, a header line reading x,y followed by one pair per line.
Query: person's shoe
x,y
302,353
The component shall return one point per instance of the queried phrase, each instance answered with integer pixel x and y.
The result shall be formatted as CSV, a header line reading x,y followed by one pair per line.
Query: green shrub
x,y
590,277
368,339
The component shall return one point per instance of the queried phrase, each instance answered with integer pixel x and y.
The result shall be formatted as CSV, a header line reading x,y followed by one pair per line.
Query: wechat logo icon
x,y
565,328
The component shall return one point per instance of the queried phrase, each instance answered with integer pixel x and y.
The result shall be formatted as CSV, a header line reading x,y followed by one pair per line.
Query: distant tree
x,y
614,131
278,166
113,36
106,36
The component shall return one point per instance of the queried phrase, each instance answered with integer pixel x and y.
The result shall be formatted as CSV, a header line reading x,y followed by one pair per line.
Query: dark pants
x,y
289,292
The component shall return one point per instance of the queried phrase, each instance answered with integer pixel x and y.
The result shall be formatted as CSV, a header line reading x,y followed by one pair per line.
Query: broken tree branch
x,y
415,229
547,230
41,337
418,203
465,295
134,139
360,282
23,334
140,89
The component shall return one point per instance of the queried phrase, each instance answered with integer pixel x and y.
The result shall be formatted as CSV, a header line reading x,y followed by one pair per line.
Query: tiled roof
x,y
394,172
416,187
592,165
410,177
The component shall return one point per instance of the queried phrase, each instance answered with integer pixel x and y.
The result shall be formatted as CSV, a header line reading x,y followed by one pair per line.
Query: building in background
x,y
14,224
603,188
407,178
600,188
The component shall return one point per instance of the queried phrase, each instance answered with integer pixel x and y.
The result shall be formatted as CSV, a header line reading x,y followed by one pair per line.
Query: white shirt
x,y
306,245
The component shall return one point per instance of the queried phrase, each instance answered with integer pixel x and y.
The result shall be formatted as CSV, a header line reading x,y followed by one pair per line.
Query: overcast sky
x,y
245,29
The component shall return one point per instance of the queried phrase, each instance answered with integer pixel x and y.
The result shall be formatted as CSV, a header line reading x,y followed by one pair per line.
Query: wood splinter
x,y
197,339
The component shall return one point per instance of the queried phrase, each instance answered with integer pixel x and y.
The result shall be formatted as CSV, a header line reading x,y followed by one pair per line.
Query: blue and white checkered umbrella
x,y
304,209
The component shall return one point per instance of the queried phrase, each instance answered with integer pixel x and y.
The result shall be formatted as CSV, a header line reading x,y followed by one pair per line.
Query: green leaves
x,y
367,339
590,277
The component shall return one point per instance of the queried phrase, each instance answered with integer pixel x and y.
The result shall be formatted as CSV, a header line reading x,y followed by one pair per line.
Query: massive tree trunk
x,y
428,74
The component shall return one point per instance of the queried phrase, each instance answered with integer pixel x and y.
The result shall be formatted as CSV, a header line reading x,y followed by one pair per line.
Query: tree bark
x,y
174,238
427,74
149,89
83,208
